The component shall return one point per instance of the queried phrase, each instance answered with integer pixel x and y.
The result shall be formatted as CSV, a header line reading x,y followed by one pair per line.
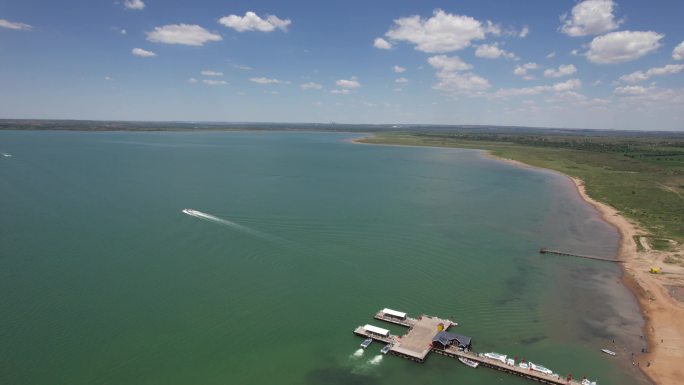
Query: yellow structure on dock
x,y
417,343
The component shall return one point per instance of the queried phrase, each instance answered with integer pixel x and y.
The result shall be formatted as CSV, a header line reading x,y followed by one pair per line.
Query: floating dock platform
x,y
417,343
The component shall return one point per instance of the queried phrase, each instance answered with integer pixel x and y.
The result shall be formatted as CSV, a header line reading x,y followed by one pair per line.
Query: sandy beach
x,y
656,293
663,313
660,296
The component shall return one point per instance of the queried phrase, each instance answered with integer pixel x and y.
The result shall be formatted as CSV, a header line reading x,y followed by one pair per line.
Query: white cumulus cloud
x,y
443,32
211,73
185,34
138,5
15,25
568,85
265,80
521,70
563,70
639,76
142,52
398,69
630,90
448,63
214,82
450,77
651,96
622,46
460,82
311,86
492,51
524,32
564,89
253,22
381,43
678,52
348,83
590,17
343,91
401,80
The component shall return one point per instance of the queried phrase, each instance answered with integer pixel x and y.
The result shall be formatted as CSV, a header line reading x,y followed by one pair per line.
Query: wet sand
x,y
662,311
663,361
664,315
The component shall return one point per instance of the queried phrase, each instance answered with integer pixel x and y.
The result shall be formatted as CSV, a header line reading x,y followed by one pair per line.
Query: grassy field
x,y
641,177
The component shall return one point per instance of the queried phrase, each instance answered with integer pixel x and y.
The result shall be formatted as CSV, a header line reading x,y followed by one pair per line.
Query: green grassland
x,y
642,177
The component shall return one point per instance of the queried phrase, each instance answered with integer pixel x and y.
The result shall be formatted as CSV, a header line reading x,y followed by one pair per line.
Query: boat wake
x,y
358,353
6,155
232,225
376,360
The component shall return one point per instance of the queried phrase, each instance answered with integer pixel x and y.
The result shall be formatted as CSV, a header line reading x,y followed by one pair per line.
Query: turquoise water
x,y
105,281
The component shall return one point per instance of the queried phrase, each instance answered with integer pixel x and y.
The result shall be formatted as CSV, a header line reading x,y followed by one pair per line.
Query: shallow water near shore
x,y
106,281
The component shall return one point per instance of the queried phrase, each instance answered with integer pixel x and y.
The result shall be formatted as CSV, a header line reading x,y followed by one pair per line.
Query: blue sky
x,y
590,64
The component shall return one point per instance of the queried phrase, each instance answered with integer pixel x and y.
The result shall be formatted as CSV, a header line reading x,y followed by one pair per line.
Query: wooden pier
x,y
416,344
510,369
544,250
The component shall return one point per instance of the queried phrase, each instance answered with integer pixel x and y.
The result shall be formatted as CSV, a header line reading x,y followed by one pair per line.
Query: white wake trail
x,y
232,225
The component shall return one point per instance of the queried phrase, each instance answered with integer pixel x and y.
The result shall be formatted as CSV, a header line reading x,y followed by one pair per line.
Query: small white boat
x,y
366,342
610,352
385,349
7,155
471,363
496,356
540,369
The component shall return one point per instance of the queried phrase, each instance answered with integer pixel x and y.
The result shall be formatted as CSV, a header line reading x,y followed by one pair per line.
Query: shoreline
x,y
660,311
663,315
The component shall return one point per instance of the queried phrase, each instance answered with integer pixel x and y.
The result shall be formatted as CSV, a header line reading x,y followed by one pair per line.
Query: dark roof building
x,y
443,339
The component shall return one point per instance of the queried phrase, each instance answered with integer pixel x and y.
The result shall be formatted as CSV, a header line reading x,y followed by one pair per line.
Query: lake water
x,y
105,281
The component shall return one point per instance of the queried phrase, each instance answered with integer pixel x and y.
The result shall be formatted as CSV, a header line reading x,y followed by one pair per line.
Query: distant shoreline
x,y
663,316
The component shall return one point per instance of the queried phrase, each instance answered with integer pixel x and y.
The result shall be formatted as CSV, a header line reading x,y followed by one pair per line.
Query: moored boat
x,y
366,342
471,363
385,349
496,356
540,369
610,352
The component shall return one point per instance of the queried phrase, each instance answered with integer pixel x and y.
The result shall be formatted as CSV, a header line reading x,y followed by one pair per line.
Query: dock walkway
x,y
544,250
511,369
416,344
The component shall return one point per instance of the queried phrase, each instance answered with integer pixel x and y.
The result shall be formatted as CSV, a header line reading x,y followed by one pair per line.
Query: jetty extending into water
x,y
430,334
544,250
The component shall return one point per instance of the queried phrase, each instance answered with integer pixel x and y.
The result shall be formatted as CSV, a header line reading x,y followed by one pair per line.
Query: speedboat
x,y
496,356
190,212
612,353
540,369
385,349
366,342
471,363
